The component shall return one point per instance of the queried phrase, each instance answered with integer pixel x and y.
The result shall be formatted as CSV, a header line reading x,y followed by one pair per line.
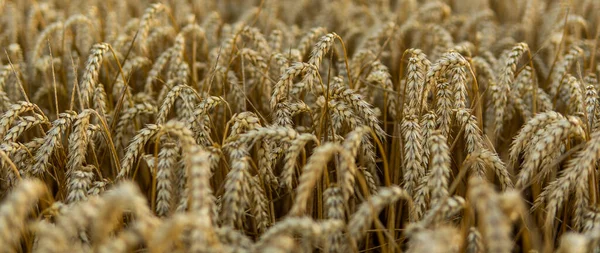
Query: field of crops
x,y
417,126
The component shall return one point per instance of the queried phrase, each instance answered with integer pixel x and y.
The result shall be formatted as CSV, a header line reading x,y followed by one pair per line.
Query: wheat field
x,y
420,126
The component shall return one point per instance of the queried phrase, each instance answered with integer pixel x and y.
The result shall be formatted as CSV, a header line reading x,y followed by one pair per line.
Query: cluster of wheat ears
x,y
299,126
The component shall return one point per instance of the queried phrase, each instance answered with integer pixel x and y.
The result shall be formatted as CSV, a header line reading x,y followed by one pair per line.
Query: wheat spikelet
x,y
370,179
157,67
491,160
444,210
472,133
92,70
143,136
505,80
79,184
444,108
25,123
80,176
167,159
276,133
188,96
575,94
282,87
574,177
4,72
437,71
458,80
43,153
311,173
5,101
275,40
351,143
98,187
82,38
13,112
591,220
145,23
177,64
267,135
341,112
544,100
135,147
228,44
380,75
198,121
562,67
308,39
260,204
522,85
360,58
168,232
286,110
361,107
382,32
439,168
259,40
236,189
160,34
294,150
520,105
417,68
78,140
428,125
202,199
99,101
266,157
283,61
46,238
413,149
22,154
527,132
591,79
15,52
546,141
71,222
129,115
256,59
591,103
243,122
